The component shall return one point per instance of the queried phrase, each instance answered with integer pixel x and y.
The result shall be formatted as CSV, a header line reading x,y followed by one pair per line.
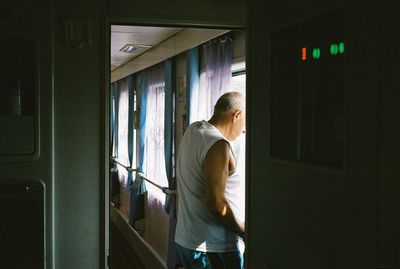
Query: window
x,y
238,83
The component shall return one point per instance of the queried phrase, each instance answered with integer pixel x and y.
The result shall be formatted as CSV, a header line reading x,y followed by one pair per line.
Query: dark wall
x,y
30,23
311,216
72,123
78,133
389,115
180,11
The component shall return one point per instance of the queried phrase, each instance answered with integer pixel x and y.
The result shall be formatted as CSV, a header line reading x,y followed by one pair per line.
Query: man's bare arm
x,y
216,171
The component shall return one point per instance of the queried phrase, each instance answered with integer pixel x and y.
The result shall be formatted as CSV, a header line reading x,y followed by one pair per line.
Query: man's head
x,y
229,114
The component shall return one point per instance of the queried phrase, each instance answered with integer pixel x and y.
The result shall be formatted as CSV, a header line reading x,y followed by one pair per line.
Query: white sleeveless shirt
x,y
198,228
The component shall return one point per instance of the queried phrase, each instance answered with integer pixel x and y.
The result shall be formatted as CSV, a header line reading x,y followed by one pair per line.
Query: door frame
x,y
110,20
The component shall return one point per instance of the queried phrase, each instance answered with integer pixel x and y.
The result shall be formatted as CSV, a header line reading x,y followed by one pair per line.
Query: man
x,y
208,231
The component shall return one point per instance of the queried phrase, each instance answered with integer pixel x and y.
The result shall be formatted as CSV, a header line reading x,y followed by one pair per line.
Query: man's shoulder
x,y
199,124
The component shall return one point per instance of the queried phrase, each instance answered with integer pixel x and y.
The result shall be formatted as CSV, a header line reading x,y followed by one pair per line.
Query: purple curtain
x,y
218,70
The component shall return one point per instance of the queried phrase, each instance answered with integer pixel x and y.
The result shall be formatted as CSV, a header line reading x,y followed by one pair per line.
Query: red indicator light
x,y
304,54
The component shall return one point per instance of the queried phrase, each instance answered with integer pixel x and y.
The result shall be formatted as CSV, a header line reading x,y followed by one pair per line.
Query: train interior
x,y
95,97
191,54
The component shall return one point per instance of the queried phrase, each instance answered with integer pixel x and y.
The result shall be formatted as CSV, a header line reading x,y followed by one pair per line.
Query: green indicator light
x,y
334,49
341,47
316,53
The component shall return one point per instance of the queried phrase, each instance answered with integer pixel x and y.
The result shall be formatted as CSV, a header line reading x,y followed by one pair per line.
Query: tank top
x,y
198,228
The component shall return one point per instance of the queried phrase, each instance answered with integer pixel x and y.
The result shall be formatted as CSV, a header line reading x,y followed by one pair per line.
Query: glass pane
x,y
307,91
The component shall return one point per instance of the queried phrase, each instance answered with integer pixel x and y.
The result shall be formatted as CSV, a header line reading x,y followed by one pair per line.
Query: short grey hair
x,y
230,101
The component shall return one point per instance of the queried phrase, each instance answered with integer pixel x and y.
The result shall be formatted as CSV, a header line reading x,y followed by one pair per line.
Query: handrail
x,y
124,166
165,190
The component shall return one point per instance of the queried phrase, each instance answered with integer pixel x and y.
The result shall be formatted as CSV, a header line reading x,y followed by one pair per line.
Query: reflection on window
x,y
307,91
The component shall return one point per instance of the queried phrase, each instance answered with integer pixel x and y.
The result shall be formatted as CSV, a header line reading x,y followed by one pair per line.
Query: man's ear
x,y
236,114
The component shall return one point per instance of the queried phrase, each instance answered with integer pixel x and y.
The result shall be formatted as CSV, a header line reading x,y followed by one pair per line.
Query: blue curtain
x,y
114,98
169,146
131,138
193,73
114,118
139,188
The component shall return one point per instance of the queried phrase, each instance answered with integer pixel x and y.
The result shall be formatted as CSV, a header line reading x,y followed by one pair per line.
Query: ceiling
x,y
141,38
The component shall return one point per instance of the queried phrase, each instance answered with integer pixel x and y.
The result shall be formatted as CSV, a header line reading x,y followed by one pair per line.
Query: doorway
x,y
132,49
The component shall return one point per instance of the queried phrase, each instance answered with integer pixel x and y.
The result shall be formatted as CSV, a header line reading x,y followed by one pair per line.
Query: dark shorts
x,y
192,259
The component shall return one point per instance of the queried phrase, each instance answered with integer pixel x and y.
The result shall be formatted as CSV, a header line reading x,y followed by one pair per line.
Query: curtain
x,y
114,97
169,123
216,75
122,131
114,100
154,146
131,129
139,188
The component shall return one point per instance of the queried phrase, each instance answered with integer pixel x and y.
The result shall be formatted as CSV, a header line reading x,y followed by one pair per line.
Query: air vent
x,y
134,48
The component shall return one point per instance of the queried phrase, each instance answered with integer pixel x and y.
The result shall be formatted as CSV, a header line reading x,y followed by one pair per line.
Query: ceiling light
x,y
132,48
